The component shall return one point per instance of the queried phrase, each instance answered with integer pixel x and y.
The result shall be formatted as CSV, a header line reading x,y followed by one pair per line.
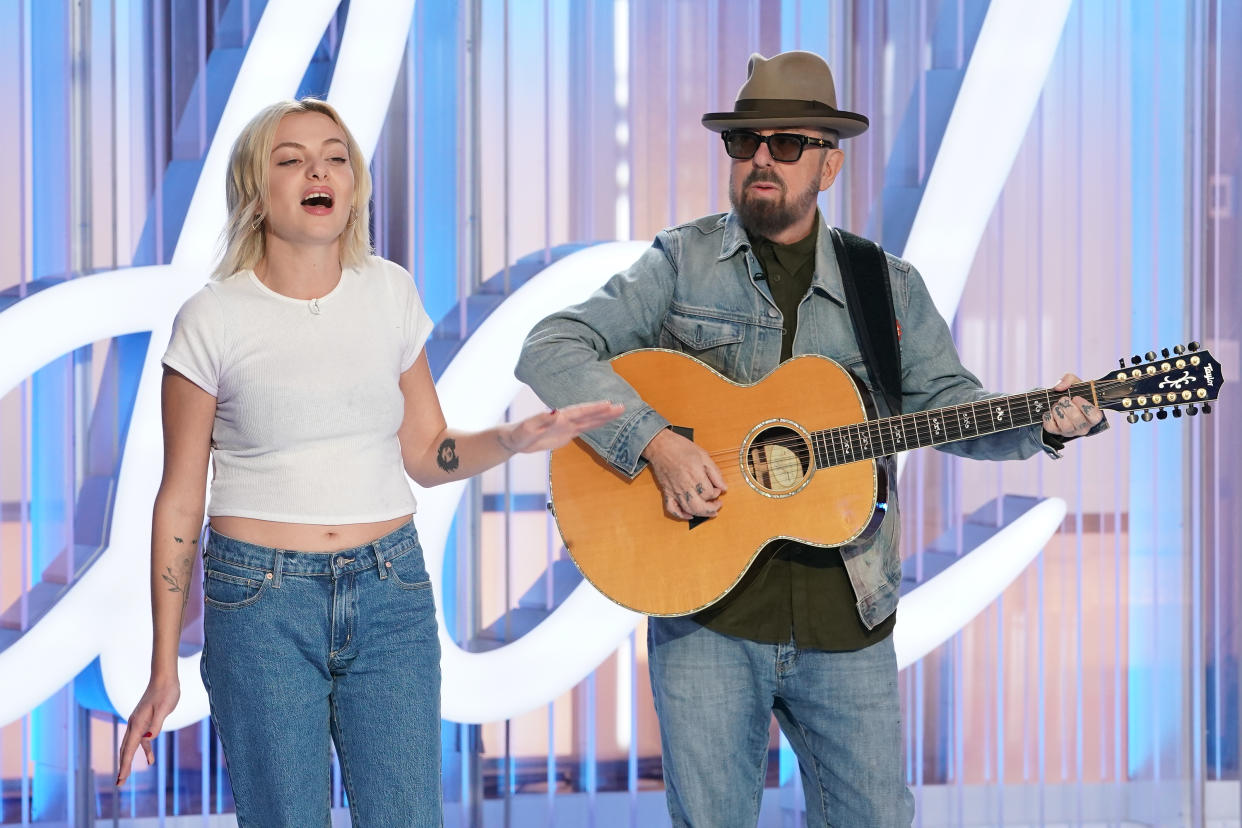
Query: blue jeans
x,y
715,696
303,648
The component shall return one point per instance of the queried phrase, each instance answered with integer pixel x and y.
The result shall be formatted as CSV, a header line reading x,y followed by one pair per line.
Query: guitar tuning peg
x,y
1194,346
1132,417
1122,362
1147,416
1164,352
1177,412
1151,356
1191,410
1136,359
1179,349
1207,408
1162,414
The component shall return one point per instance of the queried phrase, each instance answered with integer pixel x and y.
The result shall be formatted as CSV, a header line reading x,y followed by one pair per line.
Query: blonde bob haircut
x,y
246,191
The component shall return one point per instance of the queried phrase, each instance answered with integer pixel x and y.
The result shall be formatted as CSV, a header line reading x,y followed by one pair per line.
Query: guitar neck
x,y
893,435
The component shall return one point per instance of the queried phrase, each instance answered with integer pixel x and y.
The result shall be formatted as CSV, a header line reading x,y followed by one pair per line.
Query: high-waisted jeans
x,y
303,648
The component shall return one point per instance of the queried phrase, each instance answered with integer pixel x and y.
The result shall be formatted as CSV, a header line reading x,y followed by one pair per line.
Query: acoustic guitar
x,y
799,451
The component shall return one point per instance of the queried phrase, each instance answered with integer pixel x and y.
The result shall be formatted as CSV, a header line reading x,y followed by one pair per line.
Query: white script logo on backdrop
x,y
105,613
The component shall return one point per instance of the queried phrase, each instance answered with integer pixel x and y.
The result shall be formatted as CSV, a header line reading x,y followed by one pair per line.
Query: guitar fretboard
x,y
891,435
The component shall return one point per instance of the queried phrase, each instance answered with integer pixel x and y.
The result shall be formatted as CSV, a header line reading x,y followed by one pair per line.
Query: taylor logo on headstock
x,y
1207,375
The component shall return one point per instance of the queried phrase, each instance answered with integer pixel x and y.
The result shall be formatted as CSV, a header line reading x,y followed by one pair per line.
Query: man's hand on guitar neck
x,y
1070,418
687,476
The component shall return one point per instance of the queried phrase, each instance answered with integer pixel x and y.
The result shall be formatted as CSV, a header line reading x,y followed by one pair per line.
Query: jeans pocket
x,y
229,587
407,569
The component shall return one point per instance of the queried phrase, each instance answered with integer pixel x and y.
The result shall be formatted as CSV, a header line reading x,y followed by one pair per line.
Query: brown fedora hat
x,y
792,89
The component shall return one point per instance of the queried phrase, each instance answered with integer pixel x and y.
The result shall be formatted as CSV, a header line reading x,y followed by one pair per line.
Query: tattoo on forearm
x,y
174,584
446,455
187,568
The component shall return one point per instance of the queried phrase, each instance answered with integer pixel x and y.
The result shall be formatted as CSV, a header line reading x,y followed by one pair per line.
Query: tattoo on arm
x,y
174,584
187,568
446,455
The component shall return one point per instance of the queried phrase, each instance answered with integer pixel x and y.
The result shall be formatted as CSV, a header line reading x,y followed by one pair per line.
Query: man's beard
x,y
768,218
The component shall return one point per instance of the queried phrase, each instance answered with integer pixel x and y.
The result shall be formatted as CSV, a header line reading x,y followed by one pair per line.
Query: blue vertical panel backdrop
x,y
1158,595
51,449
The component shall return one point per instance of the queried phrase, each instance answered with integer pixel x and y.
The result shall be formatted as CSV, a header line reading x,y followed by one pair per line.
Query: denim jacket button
x,y
773,312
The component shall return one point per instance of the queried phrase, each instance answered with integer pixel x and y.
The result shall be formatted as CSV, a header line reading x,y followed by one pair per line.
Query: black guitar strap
x,y
869,297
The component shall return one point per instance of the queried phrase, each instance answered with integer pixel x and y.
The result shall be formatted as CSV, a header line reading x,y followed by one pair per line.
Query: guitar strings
x,y
925,433
869,429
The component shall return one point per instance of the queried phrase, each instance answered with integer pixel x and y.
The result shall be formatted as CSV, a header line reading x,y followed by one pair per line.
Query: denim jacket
x,y
699,289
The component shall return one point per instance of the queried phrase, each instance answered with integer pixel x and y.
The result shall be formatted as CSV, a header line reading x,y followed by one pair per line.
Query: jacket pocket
x,y
710,339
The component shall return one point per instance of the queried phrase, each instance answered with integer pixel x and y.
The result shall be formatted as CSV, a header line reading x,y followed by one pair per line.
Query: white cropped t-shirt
x,y
307,397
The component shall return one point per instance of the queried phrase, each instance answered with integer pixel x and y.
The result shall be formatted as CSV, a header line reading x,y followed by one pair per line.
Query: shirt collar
x,y
827,276
792,257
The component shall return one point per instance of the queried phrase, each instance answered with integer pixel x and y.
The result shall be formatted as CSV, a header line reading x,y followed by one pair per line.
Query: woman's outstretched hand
x,y
553,429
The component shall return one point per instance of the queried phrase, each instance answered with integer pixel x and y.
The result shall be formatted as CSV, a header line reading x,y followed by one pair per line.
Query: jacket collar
x,y
827,277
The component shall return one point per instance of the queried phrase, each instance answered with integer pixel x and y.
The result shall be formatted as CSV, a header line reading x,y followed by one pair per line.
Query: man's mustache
x,y
763,177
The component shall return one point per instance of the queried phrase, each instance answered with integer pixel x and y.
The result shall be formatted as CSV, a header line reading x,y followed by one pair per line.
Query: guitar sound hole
x,y
778,460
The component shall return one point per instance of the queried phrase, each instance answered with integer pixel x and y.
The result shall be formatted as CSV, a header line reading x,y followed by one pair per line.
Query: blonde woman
x,y
300,372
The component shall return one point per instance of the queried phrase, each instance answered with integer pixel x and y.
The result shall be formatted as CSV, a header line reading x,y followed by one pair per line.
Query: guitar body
x,y
624,542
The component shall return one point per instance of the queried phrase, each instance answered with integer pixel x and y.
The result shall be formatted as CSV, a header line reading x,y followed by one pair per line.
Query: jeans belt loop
x,y
380,562
277,566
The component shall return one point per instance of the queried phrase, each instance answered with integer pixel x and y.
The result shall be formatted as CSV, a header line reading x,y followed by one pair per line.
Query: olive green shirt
x,y
794,591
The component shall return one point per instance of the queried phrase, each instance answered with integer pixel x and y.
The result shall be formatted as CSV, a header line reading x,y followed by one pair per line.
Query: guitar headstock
x,y
1187,379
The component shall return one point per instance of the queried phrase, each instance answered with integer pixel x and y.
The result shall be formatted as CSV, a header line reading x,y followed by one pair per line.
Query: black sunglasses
x,y
742,144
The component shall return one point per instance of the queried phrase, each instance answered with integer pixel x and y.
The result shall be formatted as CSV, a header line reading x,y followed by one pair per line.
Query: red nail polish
x,y
554,412
147,735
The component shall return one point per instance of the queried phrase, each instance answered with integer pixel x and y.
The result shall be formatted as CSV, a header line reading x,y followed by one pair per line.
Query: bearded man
x,y
807,634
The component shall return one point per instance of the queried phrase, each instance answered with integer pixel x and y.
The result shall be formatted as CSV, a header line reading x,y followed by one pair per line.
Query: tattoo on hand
x,y
698,487
1047,416
1087,409
177,539
686,499
446,455
173,584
